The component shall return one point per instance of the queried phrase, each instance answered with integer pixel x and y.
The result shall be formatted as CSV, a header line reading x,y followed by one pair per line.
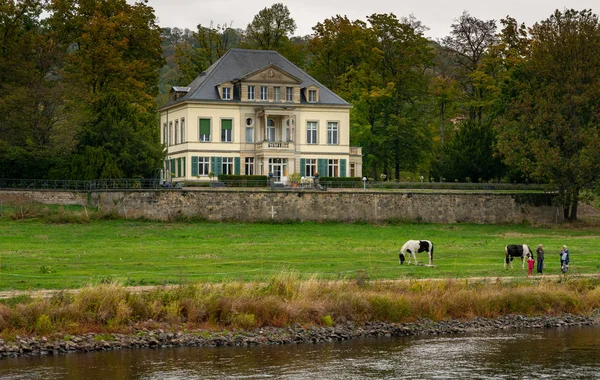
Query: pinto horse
x,y
415,246
516,250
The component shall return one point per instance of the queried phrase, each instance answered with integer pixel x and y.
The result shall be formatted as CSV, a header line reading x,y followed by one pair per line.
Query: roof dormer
x,y
311,94
177,92
225,90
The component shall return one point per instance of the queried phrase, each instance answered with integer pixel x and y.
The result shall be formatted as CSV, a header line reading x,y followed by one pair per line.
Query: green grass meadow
x,y
39,255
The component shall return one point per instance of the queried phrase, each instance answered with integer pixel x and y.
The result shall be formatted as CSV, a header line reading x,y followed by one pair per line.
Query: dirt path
x,y
45,293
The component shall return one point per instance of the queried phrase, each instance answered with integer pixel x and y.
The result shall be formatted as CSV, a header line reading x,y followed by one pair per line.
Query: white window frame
x,y
312,132
203,166
249,164
312,96
165,133
250,92
333,133
250,134
271,130
289,94
227,166
182,126
205,139
264,93
277,94
226,93
226,135
333,168
170,133
176,131
310,167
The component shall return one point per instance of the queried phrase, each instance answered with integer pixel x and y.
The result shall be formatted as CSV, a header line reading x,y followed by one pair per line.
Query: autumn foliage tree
x,y
550,125
112,66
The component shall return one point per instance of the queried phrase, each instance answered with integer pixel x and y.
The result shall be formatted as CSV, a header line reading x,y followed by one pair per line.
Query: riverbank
x,y
155,339
287,309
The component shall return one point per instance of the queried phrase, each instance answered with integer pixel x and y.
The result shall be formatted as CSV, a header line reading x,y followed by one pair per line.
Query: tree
x,y
34,128
338,46
389,91
550,126
468,156
468,44
210,44
270,28
113,57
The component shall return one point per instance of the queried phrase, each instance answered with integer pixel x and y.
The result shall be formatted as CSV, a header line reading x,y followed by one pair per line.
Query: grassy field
x,y
39,255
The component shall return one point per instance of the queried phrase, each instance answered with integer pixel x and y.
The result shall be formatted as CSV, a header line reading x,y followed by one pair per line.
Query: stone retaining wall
x,y
320,206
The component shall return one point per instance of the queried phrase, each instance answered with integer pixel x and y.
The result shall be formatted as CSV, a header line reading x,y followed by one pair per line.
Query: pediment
x,y
271,74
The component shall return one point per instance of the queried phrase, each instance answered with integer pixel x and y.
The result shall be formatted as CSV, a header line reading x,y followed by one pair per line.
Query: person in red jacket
x,y
530,262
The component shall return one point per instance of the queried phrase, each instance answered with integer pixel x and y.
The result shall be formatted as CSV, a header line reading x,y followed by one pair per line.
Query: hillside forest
x,y
494,101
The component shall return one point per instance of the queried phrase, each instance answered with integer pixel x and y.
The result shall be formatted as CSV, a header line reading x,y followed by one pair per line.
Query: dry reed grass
x,y
289,299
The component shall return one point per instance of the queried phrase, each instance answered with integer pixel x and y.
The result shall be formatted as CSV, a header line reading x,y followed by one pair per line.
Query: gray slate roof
x,y
237,63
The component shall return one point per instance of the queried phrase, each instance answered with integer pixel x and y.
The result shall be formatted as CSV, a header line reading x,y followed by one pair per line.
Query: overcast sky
x,y
437,15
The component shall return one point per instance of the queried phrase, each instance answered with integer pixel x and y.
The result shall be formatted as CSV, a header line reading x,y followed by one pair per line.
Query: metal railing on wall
x,y
137,183
93,185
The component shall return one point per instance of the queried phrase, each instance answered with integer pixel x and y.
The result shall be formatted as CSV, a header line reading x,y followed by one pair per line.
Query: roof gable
x,y
271,74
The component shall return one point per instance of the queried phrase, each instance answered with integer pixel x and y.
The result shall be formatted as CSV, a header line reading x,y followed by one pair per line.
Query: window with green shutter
x,y
303,167
236,166
226,130
342,168
194,166
204,130
322,167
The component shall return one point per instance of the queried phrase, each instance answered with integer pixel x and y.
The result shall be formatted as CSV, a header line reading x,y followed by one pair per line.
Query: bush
x,y
341,182
244,180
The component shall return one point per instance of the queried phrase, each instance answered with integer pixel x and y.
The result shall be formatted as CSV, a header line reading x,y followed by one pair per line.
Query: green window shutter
x,y
173,174
322,167
179,167
205,127
194,166
302,167
236,166
184,171
213,165
227,124
219,166
342,168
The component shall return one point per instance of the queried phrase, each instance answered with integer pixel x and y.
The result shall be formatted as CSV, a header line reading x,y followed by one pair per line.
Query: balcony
x,y
356,151
274,146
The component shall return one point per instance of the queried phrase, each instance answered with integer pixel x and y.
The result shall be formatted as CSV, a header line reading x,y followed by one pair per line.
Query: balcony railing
x,y
274,145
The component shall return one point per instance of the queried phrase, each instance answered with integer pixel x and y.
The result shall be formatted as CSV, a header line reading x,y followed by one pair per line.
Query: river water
x,y
572,353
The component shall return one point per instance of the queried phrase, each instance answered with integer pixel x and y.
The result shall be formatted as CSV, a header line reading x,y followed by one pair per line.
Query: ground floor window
x,y
249,165
227,165
310,167
333,168
278,167
203,166
352,170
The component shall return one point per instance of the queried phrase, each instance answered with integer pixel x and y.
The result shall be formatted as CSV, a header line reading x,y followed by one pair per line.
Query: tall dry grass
x,y
288,299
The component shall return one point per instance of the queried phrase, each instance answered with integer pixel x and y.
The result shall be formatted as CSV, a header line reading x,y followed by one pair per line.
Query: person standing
x,y
530,262
540,259
564,259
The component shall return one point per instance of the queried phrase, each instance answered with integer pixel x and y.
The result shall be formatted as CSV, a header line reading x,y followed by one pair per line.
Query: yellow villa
x,y
253,112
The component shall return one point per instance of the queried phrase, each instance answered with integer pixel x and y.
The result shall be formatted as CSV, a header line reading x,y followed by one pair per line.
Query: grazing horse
x,y
415,246
516,250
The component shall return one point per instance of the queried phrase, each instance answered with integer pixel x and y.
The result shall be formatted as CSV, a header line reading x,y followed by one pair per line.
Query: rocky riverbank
x,y
32,346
